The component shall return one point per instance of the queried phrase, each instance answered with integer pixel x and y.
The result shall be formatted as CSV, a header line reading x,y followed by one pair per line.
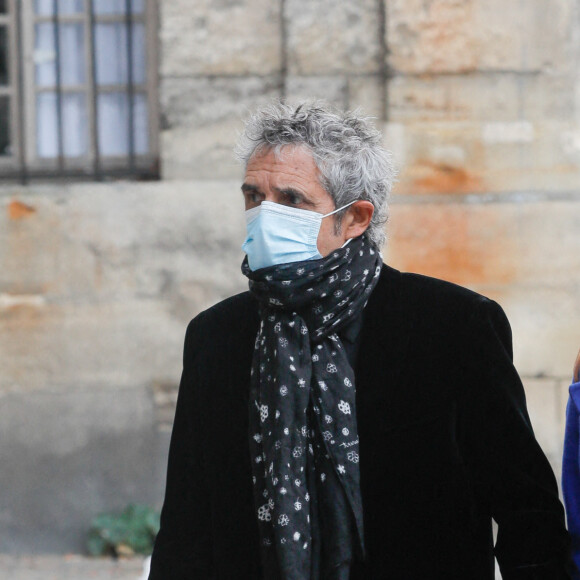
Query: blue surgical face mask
x,y
278,234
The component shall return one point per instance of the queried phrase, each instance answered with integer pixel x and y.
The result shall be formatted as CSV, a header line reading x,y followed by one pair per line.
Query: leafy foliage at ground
x,y
127,533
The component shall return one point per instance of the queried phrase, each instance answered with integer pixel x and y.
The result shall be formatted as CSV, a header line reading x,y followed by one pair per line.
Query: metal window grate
x,y
78,89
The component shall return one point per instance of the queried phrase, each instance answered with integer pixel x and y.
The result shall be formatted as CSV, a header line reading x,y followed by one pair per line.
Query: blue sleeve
x,y
571,473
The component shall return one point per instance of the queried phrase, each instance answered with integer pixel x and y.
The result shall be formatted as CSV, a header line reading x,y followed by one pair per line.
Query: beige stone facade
x,y
480,103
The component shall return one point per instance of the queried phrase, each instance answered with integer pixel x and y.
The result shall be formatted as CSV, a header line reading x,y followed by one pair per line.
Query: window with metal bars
x,y
78,89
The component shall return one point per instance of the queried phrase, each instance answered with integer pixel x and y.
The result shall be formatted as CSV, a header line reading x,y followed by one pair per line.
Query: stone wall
x,y
229,56
485,96
97,285
480,103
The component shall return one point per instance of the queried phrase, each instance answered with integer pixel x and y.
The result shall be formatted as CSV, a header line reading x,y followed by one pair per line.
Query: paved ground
x,y
75,567
69,567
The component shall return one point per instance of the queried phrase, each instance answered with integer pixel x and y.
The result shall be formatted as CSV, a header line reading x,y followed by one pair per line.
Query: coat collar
x,y
387,324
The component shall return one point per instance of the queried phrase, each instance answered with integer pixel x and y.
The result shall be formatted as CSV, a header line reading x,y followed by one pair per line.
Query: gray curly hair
x,y
345,146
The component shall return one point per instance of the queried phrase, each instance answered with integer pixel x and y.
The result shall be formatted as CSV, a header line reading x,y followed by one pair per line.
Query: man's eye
x,y
294,199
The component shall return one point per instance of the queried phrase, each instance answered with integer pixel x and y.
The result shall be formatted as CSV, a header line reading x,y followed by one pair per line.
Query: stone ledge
x,y
70,567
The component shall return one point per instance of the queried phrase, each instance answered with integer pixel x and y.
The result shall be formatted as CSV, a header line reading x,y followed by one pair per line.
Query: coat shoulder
x,y
435,307
456,310
223,328
240,309
434,292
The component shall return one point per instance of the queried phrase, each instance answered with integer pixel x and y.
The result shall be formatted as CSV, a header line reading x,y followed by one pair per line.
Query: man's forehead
x,y
296,163
286,155
290,174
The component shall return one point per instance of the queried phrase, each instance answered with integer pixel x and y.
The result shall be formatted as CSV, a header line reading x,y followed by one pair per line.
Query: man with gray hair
x,y
342,420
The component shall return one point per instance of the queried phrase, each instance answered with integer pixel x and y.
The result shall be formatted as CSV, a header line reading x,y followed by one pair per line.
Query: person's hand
x,y
577,368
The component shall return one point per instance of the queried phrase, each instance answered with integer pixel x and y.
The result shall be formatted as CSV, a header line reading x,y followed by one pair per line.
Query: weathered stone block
x,y
154,258
203,117
346,92
488,244
544,327
331,36
466,244
161,236
440,36
508,132
476,97
72,347
368,93
330,88
457,36
476,157
538,157
115,242
394,140
552,43
548,97
68,456
227,37
543,399
441,157
28,245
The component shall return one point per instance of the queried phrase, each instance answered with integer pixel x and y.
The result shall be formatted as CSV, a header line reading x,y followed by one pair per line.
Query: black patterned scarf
x,y
303,432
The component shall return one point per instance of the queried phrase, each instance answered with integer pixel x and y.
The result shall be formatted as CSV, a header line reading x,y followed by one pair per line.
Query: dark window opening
x,y
3,56
5,131
84,104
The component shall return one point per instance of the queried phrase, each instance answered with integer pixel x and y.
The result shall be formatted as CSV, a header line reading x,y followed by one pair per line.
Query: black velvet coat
x,y
445,444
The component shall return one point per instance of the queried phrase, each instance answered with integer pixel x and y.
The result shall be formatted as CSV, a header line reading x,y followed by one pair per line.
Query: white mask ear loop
x,y
339,209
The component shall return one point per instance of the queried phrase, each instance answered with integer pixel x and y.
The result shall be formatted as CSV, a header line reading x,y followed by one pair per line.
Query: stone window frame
x,y
22,162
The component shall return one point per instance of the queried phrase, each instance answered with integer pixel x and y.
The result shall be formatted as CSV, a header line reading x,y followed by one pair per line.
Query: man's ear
x,y
357,219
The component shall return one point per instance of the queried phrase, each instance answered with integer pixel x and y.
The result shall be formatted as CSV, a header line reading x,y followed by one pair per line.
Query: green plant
x,y
131,532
